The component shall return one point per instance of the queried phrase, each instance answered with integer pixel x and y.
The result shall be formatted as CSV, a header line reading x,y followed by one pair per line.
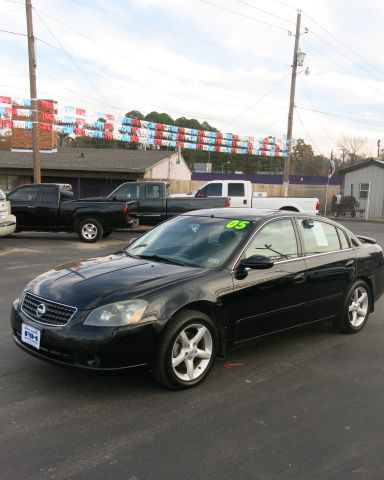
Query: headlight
x,y
117,314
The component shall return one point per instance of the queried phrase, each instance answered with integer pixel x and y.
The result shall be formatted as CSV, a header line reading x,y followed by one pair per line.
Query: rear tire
x,y
356,308
187,350
90,230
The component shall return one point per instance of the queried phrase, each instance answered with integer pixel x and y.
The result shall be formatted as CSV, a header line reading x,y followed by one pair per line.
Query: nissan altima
x,y
181,294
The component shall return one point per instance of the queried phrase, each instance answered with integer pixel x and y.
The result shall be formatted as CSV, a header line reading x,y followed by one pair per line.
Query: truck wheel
x,y
90,230
187,350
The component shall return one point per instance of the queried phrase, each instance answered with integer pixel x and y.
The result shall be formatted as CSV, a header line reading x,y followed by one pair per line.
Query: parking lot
x,y
306,404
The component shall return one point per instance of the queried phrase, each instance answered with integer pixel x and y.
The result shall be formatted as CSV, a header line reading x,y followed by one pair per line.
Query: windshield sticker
x,y
238,224
195,227
214,260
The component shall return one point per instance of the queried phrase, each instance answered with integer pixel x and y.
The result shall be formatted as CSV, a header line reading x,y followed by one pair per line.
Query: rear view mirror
x,y
256,262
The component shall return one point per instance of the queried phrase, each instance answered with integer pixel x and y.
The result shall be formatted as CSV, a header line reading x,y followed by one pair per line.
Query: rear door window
x,y
318,237
49,196
236,190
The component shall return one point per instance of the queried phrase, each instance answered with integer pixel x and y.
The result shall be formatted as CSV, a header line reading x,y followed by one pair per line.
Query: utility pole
x,y
33,91
291,106
343,150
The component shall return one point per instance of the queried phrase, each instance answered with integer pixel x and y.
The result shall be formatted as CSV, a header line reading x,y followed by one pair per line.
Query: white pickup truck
x,y
240,194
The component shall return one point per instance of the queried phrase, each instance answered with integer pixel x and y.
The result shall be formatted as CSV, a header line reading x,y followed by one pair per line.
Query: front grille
x,y
46,312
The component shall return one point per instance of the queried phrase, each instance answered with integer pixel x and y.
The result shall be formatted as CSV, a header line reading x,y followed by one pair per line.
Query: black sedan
x,y
178,296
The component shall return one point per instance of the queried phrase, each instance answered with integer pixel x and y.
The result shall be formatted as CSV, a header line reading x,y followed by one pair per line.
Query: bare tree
x,y
353,147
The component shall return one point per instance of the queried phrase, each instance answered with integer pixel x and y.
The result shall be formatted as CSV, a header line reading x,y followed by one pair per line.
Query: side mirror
x,y
256,262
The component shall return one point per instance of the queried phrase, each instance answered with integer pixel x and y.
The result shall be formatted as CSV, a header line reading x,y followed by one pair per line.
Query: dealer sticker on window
x,y
237,224
30,335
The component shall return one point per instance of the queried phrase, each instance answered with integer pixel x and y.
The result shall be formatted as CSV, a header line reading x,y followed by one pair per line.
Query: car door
x,y
47,206
23,201
152,204
330,263
273,299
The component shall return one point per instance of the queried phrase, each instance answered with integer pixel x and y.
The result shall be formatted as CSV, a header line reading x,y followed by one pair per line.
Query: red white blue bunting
x,y
75,122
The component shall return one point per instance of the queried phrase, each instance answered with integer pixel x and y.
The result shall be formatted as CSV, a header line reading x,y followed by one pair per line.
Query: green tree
x,y
135,114
159,118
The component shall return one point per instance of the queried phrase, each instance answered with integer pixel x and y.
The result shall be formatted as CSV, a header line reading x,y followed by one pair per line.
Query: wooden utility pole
x,y
291,106
33,91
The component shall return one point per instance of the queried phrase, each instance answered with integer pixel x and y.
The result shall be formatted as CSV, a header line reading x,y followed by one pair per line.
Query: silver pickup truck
x,y
7,221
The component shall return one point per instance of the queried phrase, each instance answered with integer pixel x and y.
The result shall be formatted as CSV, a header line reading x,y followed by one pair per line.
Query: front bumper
x,y
91,348
6,228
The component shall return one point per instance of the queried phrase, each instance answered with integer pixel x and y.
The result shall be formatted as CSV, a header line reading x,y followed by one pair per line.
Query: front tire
x,y
90,230
356,308
187,350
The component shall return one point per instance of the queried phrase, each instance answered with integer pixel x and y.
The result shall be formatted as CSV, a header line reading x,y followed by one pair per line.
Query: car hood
x,y
87,284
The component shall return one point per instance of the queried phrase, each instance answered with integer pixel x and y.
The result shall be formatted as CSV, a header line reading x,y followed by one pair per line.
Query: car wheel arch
x,y
369,283
215,313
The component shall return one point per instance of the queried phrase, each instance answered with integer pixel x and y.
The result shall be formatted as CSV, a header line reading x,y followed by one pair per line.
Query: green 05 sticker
x,y
237,224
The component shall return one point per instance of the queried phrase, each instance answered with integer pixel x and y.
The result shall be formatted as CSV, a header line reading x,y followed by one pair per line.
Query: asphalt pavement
x,y
307,404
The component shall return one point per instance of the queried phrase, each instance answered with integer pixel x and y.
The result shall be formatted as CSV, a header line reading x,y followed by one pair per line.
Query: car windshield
x,y
194,241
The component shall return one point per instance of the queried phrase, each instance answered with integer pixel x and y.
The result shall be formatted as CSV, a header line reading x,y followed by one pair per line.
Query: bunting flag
x,y
7,100
126,129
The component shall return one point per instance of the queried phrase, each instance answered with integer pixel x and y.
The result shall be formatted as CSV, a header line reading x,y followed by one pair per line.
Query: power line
x,y
309,137
285,4
344,44
344,55
173,32
14,33
258,100
342,67
342,115
130,79
233,12
265,11
67,54
318,118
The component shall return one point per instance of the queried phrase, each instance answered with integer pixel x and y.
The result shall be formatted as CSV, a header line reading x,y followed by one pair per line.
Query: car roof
x,y
251,214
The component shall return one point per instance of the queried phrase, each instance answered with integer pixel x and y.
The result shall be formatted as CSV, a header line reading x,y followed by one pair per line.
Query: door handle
x,y
30,206
245,202
299,278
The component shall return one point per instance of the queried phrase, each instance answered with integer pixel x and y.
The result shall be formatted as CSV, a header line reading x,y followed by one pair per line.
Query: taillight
x,y
228,203
125,211
318,205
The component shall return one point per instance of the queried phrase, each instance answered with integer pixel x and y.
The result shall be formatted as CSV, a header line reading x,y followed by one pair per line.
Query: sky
x,y
227,62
